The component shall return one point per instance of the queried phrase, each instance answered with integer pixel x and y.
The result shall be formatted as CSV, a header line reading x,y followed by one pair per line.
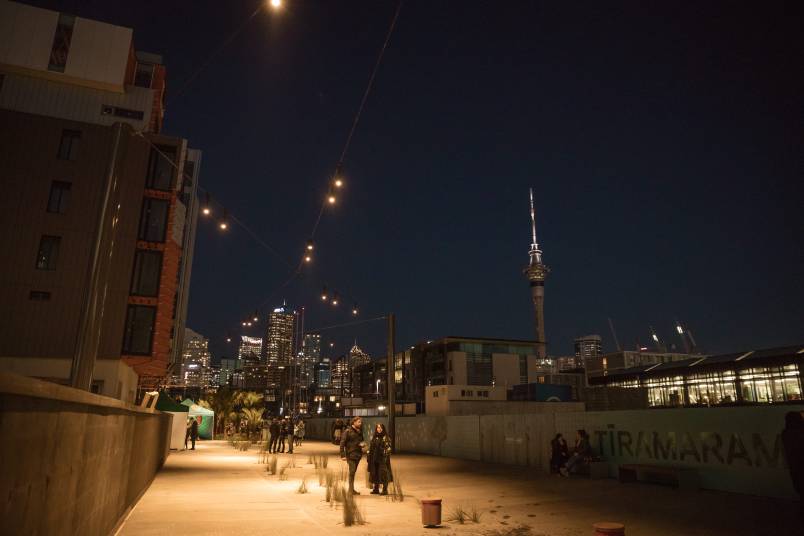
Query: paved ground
x,y
217,490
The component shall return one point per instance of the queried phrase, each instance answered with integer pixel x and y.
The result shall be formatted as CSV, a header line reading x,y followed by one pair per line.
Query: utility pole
x,y
93,309
391,387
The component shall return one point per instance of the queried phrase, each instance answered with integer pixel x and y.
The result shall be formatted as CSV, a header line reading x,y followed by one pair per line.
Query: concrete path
x,y
217,490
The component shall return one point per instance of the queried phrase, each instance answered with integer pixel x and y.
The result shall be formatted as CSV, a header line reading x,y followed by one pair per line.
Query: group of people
x,y
566,462
378,451
280,429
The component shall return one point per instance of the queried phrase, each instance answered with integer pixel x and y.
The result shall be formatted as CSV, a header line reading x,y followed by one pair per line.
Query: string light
x,y
335,299
324,294
338,182
224,224
256,315
310,245
207,210
354,310
331,199
307,258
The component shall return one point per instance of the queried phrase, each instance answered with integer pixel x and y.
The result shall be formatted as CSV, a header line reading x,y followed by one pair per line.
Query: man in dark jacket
x,y
352,449
194,431
283,434
274,431
793,442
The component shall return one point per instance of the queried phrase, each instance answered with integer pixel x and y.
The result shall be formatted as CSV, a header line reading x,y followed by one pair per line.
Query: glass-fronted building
x,y
755,377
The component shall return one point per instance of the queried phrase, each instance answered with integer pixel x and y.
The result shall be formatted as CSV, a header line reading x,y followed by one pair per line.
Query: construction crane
x,y
614,334
686,337
659,346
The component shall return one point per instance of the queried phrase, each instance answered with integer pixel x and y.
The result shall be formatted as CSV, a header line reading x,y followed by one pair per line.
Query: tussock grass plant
x,y
270,464
457,515
351,512
283,471
475,514
302,486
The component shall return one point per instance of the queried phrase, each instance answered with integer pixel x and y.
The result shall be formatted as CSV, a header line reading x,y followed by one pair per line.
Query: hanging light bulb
x,y
331,199
335,299
244,324
223,224
324,294
337,180
355,310
228,337
310,245
256,315
206,210
307,258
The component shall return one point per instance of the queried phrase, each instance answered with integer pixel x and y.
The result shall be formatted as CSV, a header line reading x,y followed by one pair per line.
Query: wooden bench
x,y
679,477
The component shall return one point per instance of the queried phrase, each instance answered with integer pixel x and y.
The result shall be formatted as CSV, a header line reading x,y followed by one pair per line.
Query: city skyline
x,y
643,205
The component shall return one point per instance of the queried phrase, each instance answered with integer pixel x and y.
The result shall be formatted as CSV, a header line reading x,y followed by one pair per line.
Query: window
x,y
147,269
153,220
68,148
48,253
435,394
160,168
59,197
138,334
144,75
39,295
61,43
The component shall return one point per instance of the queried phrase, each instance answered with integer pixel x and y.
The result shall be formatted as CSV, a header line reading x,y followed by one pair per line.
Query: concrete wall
x,y
733,449
72,462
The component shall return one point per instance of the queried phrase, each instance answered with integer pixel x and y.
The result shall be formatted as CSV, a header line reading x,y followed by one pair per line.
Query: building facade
x,y
465,361
769,376
97,214
588,346
311,355
279,337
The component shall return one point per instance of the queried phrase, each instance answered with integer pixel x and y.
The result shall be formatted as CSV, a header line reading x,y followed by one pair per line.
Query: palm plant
x,y
253,418
222,402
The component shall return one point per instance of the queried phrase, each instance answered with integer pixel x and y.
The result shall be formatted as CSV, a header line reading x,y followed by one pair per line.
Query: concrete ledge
x,y
73,462
15,384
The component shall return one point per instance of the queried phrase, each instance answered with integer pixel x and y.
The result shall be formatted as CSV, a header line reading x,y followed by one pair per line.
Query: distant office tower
x,y
537,272
98,209
195,358
249,352
323,373
228,367
341,377
358,357
586,347
279,337
311,355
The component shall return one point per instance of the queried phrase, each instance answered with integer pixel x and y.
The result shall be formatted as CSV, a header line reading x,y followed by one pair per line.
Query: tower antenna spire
x,y
536,273
535,253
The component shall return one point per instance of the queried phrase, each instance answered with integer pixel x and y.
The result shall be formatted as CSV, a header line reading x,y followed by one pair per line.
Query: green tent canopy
x,y
165,403
207,424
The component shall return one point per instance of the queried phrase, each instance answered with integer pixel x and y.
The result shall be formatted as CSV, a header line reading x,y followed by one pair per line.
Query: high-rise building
x,y
279,337
537,272
249,351
323,373
586,347
98,209
228,368
358,357
195,358
311,355
341,376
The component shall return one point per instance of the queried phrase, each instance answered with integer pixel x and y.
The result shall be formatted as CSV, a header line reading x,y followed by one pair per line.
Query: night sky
x,y
663,141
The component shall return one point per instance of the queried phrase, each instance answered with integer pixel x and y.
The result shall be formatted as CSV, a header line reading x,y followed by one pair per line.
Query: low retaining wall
x,y
734,449
72,462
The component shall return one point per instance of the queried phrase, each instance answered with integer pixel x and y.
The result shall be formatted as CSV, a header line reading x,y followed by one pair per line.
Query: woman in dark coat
x,y
379,460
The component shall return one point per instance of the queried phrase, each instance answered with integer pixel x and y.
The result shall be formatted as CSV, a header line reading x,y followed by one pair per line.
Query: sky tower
x,y
537,272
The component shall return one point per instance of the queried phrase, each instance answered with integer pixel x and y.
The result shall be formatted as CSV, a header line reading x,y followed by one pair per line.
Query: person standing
x,y
274,431
194,431
379,460
352,450
793,443
337,430
187,432
558,453
283,434
300,432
